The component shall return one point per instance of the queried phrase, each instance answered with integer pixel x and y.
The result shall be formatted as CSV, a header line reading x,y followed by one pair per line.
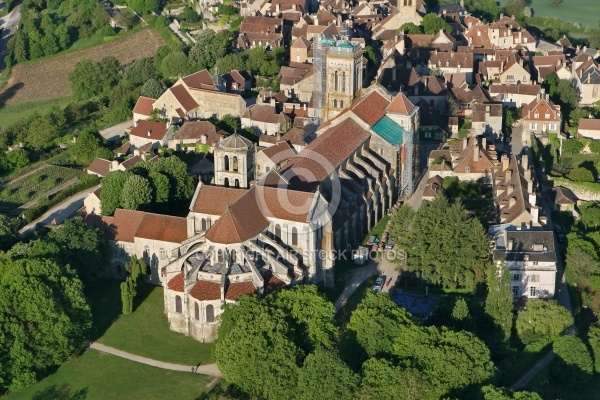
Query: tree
x,y
140,71
382,380
514,7
572,146
136,193
87,145
410,28
251,336
460,311
209,48
175,65
581,174
189,15
112,187
133,286
89,79
493,393
373,326
9,232
144,6
370,55
594,341
182,183
84,249
153,88
542,319
499,301
448,360
161,187
487,9
324,376
41,132
432,24
45,319
19,46
230,62
573,365
312,317
17,159
595,146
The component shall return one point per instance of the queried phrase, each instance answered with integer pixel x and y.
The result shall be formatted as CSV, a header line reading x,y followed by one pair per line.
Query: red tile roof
x,y
176,283
401,104
237,289
199,80
213,200
195,130
206,290
280,152
589,123
123,226
272,283
144,106
184,97
149,130
165,228
100,166
371,108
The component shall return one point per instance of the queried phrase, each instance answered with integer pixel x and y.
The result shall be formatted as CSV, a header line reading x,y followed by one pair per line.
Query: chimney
x,y
525,162
511,202
508,175
149,132
114,165
143,156
501,15
462,3
530,186
394,74
533,198
510,245
535,213
504,162
483,143
527,174
464,144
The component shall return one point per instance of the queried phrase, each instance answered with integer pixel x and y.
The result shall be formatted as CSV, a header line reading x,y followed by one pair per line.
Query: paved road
x,y
519,139
209,369
10,23
116,131
61,211
537,367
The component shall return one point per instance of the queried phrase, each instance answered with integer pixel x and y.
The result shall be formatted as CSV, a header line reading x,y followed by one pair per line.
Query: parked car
x,y
379,284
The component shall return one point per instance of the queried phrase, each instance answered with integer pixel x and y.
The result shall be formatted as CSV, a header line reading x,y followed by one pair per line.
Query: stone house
x,y
265,119
196,132
487,119
542,116
530,259
143,108
470,160
273,157
515,95
92,203
155,134
301,50
564,199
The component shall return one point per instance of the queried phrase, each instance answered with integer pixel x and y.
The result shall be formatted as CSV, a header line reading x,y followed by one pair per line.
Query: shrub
x,y
581,174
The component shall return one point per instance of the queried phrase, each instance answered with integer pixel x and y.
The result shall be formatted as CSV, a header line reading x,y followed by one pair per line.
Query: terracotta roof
x,y
132,162
563,195
164,228
184,97
265,113
144,106
284,203
100,166
589,123
123,226
400,104
531,90
149,129
195,130
177,283
199,80
213,200
237,289
301,42
334,145
124,149
371,108
541,106
206,290
272,283
280,152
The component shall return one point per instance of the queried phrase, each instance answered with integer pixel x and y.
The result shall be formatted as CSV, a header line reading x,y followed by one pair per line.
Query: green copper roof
x,y
388,129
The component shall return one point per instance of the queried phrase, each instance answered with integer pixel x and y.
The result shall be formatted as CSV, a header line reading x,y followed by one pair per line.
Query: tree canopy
x,y
543,319
325,376
89,79
499,301
432,24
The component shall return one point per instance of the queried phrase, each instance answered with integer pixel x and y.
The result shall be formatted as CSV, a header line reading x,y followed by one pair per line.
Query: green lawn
x,y
377,229
146,331
96,375
11,113
583,11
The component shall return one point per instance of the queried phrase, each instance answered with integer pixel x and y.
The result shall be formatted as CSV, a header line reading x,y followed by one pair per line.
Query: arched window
x,y
335,81
235,164
178,304
294,237
220,256
233,256
226,182
148,270
210,313
147,254
203,224
196,311
334,103
341,103
277,231
237,183
163,253
343,82
226,163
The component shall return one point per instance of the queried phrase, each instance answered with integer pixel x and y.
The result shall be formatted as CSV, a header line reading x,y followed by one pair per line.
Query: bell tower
x,y
234,162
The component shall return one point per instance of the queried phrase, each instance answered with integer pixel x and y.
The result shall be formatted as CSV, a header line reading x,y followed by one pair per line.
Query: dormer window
x,y
547,115
537,115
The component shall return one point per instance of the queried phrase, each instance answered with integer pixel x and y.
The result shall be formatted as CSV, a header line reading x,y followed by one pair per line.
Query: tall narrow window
x,y
235,164
334,103
226,163
277,231
343,82
341,103
335,81
196,311
220,256
163,254
178,304
226,182
203,224
210,313
237,183
294,237
233,256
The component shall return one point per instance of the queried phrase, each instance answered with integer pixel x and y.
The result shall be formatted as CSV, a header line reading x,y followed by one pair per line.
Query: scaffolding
x,y
320,73
407,180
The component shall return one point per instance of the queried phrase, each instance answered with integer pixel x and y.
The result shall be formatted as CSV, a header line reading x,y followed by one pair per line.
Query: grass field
x,y
98,376
146,331
11,113
49,78
586,12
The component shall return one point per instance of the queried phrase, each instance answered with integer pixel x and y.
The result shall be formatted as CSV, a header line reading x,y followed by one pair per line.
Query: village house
x,y
154,134
265,119
487,119
589,128
434,188
564,199
515,96
471,159
258,31
542,116
143,108
273,157
196,133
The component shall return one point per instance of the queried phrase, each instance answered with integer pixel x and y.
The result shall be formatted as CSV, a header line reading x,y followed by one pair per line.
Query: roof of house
x,y
237,289
149,129
589,123
144,106
195,130
563,195
100,166
199,80
184,97
213,200
541,106
177,283
164,228
280,152
206,290
536,245
265,113
371,108
123,226
400,104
